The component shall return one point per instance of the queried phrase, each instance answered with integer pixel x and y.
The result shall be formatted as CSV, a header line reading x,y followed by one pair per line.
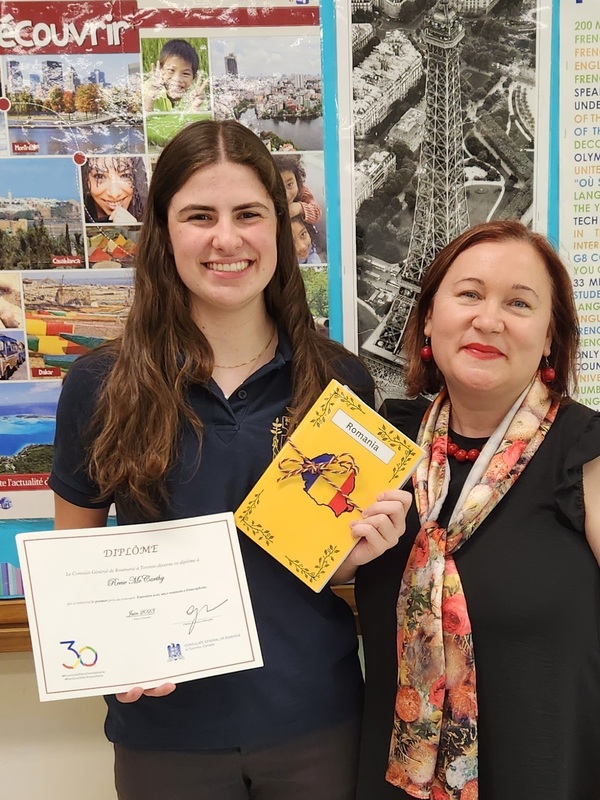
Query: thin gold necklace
x,y
252,360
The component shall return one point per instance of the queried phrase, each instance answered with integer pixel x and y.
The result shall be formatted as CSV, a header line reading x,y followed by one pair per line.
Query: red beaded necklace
x,y
460,454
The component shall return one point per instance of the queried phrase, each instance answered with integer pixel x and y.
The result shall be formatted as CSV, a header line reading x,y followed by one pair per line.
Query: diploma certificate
x,y
136,605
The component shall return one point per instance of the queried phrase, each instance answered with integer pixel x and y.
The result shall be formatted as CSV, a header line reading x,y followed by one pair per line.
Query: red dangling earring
x,y
548,373
426,351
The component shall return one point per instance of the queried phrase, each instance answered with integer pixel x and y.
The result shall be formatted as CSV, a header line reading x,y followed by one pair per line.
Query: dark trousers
x,y
317,766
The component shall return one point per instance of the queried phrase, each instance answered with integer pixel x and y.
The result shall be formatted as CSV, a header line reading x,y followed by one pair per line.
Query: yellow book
x,y
340,457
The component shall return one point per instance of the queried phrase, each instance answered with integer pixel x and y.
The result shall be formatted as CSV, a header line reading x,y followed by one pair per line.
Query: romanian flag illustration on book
x,y
327,492
328,479
333,465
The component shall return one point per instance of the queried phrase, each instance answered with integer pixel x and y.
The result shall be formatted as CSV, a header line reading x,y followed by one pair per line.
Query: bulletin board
x,y
89,95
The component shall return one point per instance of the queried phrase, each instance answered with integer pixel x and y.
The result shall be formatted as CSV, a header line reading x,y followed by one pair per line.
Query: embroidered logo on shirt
x,y
279,430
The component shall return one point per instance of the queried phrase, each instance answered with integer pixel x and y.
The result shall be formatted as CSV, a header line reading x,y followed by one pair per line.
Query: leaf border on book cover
x,y
320,566
255,528
397,441
324,410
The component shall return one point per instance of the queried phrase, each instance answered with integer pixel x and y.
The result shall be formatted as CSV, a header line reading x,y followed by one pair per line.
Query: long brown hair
x,y
143,402
424,376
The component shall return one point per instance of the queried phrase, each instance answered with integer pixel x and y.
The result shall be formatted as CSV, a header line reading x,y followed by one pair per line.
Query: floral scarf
x,y
433,752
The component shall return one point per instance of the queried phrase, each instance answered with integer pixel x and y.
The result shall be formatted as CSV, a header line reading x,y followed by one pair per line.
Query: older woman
x,y
481,627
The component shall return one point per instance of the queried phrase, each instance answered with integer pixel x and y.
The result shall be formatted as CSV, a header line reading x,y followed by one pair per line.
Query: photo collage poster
x,y
451,119
89,95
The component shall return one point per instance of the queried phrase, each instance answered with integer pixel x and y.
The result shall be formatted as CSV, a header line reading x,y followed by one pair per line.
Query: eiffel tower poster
x,y
445,109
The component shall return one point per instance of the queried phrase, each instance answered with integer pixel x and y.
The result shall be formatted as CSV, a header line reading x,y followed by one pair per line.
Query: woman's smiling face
x,y
110,184
490,320
222,229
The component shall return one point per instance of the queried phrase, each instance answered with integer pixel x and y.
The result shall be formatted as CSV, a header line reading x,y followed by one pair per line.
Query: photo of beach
x,y
27,427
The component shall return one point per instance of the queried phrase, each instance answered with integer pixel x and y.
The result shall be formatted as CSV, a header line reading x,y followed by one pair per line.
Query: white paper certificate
x,y
136,605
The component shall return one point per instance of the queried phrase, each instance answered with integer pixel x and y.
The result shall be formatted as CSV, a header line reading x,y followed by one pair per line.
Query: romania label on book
x,y
340,457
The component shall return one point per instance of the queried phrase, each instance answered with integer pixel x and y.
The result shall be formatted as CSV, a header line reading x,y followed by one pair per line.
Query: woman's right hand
x,y
121,216
134,694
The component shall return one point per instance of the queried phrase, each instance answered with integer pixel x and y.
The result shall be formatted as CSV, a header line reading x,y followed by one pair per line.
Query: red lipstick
x,y
483,351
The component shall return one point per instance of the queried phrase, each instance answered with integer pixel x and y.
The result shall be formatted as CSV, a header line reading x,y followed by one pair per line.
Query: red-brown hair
x,y
425,377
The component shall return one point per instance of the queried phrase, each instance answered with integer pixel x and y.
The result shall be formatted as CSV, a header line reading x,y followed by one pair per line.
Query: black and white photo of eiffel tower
x,y
444,124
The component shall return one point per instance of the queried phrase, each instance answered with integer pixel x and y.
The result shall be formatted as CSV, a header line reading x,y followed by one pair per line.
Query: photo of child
x,y
115,189
303,179
306,249
175,81
301,200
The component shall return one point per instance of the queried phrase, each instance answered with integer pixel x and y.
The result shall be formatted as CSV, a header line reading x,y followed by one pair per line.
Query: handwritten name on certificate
x,y
136,605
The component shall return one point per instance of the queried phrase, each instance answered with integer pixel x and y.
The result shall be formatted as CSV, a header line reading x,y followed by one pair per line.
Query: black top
x,y
532,587
311,676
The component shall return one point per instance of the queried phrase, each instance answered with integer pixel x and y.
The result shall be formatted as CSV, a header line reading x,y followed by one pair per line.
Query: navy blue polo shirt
x,y
311,678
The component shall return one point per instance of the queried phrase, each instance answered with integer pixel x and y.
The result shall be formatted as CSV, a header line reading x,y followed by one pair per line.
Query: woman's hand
x,y
121,216
134,694
380,527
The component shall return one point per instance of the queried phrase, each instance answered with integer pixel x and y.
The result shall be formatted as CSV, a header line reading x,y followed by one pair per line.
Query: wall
x,y
49,750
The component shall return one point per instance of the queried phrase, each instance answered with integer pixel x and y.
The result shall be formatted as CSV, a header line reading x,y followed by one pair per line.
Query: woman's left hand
x,y
133,695
380,527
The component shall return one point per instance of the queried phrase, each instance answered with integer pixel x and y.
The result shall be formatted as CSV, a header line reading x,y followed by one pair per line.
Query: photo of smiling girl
x,y
304,245
115,189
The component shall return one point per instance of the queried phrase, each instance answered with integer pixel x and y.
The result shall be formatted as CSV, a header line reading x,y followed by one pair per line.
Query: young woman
x,y
218,357
115,189
481,638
